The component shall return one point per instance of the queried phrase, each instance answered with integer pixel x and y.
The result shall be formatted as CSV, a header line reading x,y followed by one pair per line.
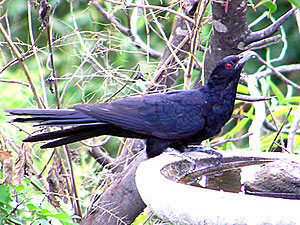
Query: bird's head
x,y
229,68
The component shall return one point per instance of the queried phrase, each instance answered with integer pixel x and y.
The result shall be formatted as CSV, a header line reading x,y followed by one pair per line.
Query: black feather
x,y
173,119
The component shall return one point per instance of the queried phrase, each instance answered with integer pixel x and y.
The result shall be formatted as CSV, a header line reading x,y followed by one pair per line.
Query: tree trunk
x,y
229,29
121,202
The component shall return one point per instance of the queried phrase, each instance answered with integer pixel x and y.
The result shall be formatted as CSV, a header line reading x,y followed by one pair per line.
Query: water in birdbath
x,y
250,175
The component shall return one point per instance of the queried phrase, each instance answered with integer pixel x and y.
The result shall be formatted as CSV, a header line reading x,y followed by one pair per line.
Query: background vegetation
x,y
89,61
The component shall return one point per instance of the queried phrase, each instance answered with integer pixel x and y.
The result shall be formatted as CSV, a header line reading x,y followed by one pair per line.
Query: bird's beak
x,y
245,56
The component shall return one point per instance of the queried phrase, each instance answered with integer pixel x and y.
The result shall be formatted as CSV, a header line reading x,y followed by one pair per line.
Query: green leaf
x,y
295,2
20,188
295,99
141,220
41,222
242,89
276,91
279,111
31,207
2,217
5,194
63,217
251,3
267,141
271,6
242,123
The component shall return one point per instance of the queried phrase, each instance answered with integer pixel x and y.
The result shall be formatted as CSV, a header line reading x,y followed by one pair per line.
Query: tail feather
x,y
71,139
82,126
59,134
52,117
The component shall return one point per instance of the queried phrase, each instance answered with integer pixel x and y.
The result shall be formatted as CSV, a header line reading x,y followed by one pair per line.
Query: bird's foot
x,y
189,159
205,150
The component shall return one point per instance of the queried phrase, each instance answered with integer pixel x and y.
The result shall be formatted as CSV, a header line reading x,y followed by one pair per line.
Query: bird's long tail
x,y
52,117
82,126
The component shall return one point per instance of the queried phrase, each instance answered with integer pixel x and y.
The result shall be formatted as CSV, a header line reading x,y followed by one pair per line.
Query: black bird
x,y
172,119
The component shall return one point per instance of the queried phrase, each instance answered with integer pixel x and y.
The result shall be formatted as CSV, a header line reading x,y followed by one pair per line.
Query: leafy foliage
x,y
27,205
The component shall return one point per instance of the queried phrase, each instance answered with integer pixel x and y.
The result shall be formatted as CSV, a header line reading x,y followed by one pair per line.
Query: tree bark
x,y
229,29
168,68
121,202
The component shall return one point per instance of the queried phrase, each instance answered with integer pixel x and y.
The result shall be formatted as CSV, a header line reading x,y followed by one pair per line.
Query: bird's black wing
x,y
172,115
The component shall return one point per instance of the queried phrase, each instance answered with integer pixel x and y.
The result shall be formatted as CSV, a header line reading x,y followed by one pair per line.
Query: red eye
x,y
228,66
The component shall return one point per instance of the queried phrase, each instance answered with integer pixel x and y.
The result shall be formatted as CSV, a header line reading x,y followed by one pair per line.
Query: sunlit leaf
x,y
295,2
271,6
141,219
5,194
281,111
240,125
295,99
276,91
242,89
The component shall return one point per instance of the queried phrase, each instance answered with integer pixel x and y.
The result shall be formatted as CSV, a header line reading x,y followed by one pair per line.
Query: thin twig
x,y
126,83
111,19
275,121
280,69
292,131
167,61
260,115
260,44
249,98
297,17
153,7
46,164
201,9
170,47
231,140
279,131
73,183
128,32
23,65
53,71
278,74
35,52
14,82
271,127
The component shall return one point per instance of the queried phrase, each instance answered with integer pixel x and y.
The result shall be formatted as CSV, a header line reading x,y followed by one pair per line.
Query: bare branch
x,y
248,98
164,65
271,127
232,140
260,44
126,31
292,131
260,115
23,65
14,82
279,131
278,74
201,9
275,122
280,69
267,32
167,70
111,19
297,17
153,7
